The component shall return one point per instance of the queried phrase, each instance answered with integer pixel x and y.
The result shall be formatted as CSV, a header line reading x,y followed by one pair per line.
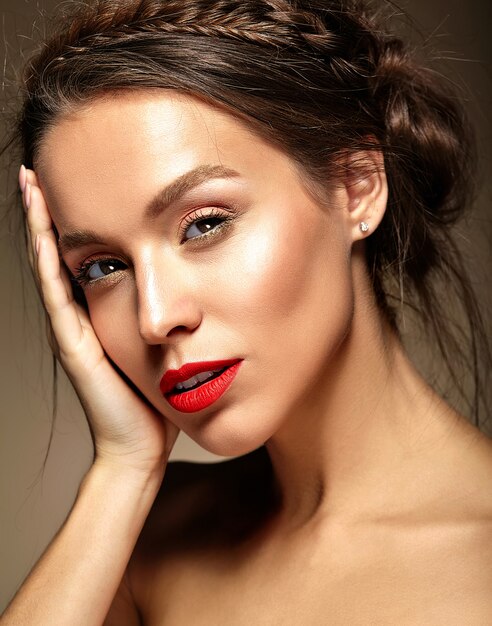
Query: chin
x,y
228,440
228,447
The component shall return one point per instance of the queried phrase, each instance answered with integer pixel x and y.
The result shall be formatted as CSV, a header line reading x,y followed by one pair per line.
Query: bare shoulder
x,y
456,505
462,525
462,540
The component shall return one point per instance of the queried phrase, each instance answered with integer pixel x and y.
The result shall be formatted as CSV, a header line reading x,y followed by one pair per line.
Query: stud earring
x,y
364,227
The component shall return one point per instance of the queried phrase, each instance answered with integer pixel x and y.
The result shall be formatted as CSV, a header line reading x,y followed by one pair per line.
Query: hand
x,y
127,431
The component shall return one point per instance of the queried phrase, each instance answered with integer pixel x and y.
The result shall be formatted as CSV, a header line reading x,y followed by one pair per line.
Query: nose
x,y
167,306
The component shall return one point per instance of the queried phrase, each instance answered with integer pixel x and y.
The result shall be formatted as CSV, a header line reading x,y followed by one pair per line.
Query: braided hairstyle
x,y
317,78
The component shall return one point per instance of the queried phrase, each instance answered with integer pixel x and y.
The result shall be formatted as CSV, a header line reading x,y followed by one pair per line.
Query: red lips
x,y
172,377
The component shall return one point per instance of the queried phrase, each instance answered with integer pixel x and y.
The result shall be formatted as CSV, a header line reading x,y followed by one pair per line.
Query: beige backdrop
x,y
33,504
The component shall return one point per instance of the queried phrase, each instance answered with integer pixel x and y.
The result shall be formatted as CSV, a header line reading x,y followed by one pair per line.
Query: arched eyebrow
x,y
184,183
162,200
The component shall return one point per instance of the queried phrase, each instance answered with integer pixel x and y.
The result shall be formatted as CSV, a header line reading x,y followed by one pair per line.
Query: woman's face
x,y
267,279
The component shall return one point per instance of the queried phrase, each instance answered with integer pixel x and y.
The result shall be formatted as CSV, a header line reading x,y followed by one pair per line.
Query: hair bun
x,y
426,132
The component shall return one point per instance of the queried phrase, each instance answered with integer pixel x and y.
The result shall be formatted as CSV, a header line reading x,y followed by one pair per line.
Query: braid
x,y
279,24
273,23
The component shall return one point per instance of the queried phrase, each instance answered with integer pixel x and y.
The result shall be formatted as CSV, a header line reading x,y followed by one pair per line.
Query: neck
x,y
353,448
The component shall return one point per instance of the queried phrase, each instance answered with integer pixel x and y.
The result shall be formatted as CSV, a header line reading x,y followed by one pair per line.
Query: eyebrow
x,y
183,184
76,239
161,201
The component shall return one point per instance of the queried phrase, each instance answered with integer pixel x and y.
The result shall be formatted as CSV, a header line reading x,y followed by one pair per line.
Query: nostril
x,y
177,330
155,334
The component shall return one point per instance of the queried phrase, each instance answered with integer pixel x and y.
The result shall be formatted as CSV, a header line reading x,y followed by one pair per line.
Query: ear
x,y
367,192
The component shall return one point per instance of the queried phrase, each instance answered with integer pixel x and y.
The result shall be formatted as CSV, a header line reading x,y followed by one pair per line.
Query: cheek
x,y
113,320
288,297
288,276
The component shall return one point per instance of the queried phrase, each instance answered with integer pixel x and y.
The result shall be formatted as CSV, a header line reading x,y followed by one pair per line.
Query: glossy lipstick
x,y
205,393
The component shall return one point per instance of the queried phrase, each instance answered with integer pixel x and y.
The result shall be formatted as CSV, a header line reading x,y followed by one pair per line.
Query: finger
x,y
38,222
61,308
31,177
56,291
38,216
39,219
26,177
22,178
34,221
23,185
43,208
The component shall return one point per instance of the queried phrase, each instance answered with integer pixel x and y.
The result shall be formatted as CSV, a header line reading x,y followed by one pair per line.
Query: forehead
x,y
114,146
118,128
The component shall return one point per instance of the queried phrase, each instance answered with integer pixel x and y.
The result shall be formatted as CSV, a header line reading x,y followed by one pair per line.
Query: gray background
x,y
34,504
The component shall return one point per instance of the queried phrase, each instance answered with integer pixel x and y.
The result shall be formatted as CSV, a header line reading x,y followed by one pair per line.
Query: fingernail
x,y
36,244
22,178
27,196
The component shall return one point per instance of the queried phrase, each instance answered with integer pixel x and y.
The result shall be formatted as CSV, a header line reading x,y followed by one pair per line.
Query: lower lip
x,y
204,395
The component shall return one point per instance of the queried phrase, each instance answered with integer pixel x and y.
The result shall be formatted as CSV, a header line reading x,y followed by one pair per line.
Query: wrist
x,y
143,476
131,461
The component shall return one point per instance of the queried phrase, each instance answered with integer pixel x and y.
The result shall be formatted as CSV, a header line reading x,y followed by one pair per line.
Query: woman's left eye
x,y
199,225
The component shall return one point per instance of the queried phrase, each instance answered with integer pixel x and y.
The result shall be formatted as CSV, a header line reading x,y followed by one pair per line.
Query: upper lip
x,y
172,377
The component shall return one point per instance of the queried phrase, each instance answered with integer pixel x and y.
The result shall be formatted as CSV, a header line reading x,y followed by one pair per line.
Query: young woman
x,y
227,202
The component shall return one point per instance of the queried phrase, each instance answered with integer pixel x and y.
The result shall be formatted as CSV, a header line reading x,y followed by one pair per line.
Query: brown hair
x,y
318,78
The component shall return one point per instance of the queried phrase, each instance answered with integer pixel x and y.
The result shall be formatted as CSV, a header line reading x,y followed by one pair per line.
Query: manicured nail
x,y
36,244
27,195
22,177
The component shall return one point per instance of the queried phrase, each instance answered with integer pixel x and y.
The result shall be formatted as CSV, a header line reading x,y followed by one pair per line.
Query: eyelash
x,y
81,272
198,217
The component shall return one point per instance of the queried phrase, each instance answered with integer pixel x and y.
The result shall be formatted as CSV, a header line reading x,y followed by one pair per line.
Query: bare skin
x,y
366,498
429,564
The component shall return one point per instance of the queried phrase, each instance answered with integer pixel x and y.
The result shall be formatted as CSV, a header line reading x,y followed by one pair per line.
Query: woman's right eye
x,y
90,271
